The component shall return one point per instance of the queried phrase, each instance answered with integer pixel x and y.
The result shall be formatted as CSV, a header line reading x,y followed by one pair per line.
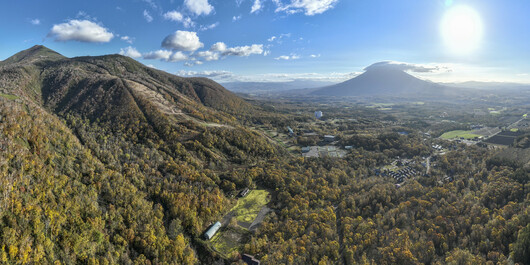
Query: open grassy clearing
x,y
10,97
459,134
248,207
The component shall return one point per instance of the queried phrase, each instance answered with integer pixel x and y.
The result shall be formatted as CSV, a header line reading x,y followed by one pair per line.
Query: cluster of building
x,y
400,175
437,147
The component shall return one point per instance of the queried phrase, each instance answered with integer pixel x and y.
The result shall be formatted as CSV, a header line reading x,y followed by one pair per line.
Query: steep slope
x,y
385,81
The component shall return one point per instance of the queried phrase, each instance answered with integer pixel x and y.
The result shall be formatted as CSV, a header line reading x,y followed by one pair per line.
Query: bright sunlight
x,y
461,29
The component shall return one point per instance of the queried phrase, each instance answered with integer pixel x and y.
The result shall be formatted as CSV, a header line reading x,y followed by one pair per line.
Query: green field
x,y
11,97
248,207
459,134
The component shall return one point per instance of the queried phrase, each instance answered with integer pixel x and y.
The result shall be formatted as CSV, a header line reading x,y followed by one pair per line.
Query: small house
x,y
329,138
290,130
244,192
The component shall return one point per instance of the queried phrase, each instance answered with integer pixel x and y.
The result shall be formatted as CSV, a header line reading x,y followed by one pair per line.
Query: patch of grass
x,y
514,130
248,207
228,240
459,134
10,97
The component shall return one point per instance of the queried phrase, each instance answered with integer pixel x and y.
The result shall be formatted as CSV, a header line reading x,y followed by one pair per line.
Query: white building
x,y
318,114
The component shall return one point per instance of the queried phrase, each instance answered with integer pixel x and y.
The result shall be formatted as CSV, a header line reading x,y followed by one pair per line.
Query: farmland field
x,y
458,134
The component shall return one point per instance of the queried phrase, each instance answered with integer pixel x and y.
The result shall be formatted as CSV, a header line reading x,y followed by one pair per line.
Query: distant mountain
x,y
386,81
264,87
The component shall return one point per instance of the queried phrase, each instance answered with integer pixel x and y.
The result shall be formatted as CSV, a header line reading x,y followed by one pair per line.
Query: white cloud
x,y
209,55
211,26
314,55
266,53
173,16
309,7
178,17
279,38
158,55
218,47
288,57
148,16
127,39
236,18
416,68
80,30
244,50
225,76
35,21
178,56
183,41
199,7
209,74
256,6
192,63
131,52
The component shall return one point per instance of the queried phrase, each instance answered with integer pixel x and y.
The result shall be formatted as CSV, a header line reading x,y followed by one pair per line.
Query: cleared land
x,y
230,238
459,134
248,207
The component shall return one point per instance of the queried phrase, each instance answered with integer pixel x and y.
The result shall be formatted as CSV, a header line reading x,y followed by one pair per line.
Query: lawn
x,y
248,207
459,134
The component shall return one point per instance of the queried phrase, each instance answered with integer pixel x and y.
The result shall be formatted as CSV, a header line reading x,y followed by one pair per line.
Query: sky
x,y
284,40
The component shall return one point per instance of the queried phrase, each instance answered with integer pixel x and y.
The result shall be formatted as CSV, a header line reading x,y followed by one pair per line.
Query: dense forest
x,y
106,161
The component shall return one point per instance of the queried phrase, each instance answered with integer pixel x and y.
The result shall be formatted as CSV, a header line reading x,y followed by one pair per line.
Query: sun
x,y
461,29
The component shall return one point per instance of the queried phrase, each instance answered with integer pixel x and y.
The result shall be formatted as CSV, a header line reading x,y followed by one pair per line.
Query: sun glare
x,y
461,29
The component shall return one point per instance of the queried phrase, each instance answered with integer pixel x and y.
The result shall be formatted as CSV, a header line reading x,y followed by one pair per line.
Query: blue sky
x,y
277,40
